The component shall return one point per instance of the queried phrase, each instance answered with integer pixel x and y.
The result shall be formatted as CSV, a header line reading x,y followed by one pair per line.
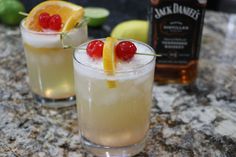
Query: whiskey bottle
x,y
175,30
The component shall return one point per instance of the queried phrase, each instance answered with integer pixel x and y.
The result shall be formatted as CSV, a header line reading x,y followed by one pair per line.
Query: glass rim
x,y
22,26
139,67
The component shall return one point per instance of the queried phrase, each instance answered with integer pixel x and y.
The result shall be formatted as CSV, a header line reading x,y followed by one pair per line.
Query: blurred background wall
x,y
129,5
121,10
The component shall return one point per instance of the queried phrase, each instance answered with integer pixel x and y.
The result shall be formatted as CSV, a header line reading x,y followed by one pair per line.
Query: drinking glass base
x,y
54,103
104,151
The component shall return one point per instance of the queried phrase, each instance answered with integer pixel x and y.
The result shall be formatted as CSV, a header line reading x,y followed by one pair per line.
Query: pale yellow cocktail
x,y
45,30
49,65
50,71
114,120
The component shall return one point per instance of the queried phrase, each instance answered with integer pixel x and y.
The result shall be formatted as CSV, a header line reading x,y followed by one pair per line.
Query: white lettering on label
x,y
177,9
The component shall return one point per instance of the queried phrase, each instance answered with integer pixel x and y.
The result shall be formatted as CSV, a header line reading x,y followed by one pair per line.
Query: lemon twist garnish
x,y
109,59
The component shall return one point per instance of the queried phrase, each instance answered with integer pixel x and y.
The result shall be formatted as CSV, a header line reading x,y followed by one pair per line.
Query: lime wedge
x,y
97,16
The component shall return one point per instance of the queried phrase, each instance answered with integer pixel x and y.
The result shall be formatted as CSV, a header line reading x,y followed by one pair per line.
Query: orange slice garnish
x,y
70,13
109,59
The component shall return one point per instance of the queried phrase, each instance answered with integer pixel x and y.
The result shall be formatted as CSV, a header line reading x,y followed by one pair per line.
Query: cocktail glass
x,y
50,67
114,121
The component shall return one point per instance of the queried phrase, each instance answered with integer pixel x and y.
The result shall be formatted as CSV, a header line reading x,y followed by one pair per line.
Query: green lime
x,y
97,16
9,11
2,7
132,29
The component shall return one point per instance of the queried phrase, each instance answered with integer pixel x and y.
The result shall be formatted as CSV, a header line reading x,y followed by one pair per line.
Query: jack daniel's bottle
x,y
175,32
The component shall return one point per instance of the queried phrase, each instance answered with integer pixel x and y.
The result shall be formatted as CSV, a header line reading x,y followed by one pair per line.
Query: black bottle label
x,y
175,29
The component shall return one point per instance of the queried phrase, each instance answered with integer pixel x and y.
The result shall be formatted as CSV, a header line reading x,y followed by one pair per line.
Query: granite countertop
x,y
186,121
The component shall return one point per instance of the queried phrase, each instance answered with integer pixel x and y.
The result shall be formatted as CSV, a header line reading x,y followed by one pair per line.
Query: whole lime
x,y
9,11
2,7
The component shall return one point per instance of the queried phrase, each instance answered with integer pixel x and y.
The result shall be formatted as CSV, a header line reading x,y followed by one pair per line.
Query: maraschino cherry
x,y
95,48
44,19
53,22
125,50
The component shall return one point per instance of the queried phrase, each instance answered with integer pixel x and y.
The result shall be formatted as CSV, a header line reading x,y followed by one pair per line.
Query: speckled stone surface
x,y
185,121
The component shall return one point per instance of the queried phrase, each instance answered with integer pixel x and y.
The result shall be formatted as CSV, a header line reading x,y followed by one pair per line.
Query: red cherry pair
x,y
124,50
50,22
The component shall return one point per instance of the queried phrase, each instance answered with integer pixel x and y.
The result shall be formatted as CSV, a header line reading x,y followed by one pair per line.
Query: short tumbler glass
x,y
50,67
113,121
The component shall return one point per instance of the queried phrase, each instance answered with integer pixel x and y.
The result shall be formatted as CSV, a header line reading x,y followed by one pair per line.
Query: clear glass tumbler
x,y
50,67
114,121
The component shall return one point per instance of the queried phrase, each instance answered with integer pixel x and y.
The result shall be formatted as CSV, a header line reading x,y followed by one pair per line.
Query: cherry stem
x,y
64,34
148,54
23,13
62,37
82,22
137,53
